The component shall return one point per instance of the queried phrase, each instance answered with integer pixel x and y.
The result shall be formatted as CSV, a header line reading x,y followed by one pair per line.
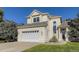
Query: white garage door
x,y
31,36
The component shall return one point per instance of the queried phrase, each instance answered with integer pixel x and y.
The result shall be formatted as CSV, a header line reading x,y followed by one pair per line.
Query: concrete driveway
x,y
16,46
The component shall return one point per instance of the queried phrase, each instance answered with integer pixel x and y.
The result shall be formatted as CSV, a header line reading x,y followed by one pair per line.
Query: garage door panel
x,y
31,35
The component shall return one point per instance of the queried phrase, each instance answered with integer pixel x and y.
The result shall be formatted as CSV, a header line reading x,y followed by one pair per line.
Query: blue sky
x,y
18,14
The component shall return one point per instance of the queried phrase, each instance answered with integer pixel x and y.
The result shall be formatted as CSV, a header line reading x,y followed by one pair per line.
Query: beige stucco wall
x,y
50,28
44,18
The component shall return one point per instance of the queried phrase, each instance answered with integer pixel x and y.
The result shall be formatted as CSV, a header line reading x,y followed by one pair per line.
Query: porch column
x,y
66,34
60,35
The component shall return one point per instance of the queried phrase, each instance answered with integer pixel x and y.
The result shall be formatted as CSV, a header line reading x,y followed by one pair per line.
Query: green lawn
x,y
68,47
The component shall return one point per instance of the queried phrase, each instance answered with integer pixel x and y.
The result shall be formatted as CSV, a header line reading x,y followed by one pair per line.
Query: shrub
x,y
53,39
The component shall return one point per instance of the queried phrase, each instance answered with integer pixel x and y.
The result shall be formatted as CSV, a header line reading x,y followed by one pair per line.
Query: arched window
x,y
54,27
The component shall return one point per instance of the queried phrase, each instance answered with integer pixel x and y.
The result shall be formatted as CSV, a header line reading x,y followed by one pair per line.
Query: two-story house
x,y
40,27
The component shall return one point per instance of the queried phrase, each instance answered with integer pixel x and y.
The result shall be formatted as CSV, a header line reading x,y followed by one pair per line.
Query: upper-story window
x,y
54,27
36,19
54,23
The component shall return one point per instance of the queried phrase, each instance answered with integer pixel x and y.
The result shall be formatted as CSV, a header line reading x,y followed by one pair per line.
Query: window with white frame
x,y
36,19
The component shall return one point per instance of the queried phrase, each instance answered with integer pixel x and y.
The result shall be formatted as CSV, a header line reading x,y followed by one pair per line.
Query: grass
x,y
68,47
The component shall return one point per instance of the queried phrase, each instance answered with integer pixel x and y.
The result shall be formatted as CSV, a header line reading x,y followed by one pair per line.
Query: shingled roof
x,y
40,24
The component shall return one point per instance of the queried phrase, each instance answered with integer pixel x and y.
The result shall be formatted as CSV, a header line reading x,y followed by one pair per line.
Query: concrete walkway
x,y
16,46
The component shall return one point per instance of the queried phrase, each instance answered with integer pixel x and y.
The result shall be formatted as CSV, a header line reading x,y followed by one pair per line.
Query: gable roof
x,y
34,11
38,12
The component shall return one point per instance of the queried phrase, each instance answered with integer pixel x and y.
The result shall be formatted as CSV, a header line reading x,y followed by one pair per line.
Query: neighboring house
x,y
40,27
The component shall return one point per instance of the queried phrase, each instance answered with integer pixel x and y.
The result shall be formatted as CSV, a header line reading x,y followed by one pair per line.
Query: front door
x,y
63,34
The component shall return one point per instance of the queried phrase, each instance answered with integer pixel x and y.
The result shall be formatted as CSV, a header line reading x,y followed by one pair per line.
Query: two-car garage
x,y
32,35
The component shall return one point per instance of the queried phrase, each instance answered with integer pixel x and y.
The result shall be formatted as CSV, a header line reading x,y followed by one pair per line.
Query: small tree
x,y
74,28
8,30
